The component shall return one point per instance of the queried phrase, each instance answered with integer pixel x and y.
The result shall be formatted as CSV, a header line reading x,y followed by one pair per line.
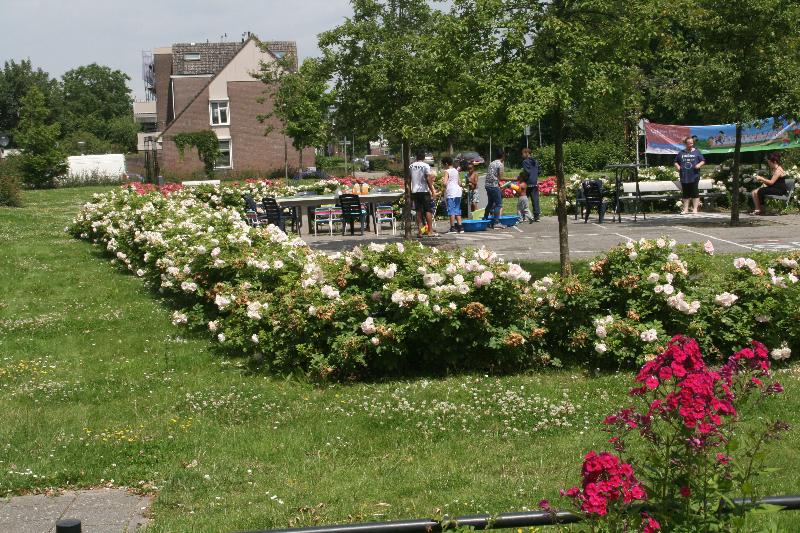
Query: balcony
x,y
144,112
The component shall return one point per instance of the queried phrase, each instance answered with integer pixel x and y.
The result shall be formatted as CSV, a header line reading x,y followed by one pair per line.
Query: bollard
x,y
68,525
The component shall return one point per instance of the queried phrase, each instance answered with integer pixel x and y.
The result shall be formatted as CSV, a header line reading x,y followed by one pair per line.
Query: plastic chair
x,y
273,212
323,215
384,213
253,217
593,196
352,210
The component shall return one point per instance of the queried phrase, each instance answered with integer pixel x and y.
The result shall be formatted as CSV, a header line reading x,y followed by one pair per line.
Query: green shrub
x,y
329,163
10,184
377,164
580,155
280,172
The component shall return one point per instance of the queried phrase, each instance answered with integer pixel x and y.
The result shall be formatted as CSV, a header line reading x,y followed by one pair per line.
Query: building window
x,y
219,114
224,159
192,56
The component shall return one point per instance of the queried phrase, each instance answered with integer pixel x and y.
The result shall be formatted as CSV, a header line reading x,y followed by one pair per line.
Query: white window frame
x,y
227,112
230,154
192,56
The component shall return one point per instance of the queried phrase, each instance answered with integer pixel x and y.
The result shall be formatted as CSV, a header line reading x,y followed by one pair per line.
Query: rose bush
x,y
374,310
377,309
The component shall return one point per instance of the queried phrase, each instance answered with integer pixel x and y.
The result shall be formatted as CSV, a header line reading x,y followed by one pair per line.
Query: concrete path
x,y
100,511
539,241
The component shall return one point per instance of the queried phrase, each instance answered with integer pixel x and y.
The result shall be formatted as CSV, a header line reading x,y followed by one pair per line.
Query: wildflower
x,y
179,318
221,337
708,248
600,347
140,272
212,326
254,338
601,332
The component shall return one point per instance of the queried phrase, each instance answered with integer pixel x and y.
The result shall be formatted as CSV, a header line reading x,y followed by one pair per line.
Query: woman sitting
x,y
774,185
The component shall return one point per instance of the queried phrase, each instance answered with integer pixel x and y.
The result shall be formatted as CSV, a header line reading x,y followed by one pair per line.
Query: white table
x,y
372,200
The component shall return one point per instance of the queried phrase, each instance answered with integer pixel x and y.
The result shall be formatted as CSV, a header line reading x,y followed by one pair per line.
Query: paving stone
x,y
103,510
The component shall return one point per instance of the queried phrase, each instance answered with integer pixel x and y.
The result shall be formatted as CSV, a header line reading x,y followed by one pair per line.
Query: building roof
x,y
192,59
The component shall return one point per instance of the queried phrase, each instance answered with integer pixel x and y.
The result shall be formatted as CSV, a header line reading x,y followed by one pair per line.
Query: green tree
x,y
16,79
732,62
97,99
383,63
300,100
41,160
546,59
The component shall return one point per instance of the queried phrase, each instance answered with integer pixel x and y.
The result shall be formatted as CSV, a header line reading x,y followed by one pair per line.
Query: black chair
x,y
594,196
273,212
254,218
352,210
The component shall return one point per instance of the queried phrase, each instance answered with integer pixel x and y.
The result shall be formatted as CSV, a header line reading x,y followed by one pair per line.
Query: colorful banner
x,y
769,134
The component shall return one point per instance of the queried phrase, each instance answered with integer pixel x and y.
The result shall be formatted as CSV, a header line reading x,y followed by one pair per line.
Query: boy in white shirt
x,y
452,193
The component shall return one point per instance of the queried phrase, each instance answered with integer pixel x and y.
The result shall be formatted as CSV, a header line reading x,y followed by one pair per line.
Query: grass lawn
x,y
98,388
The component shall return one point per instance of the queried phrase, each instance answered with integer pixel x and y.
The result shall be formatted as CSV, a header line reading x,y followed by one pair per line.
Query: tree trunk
x,y
285,159
561,207
301,159
407,188
737,158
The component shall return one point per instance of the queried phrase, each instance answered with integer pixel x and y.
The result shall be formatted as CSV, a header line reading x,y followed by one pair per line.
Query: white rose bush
x,y
377,309
402,308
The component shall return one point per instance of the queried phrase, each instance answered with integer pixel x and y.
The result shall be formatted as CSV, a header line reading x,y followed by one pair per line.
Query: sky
x,y
59,35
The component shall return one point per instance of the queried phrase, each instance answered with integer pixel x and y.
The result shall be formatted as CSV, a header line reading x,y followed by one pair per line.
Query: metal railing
x,y
502,521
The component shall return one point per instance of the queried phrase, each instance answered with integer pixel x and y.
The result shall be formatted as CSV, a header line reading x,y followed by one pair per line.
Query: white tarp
x,y
106,165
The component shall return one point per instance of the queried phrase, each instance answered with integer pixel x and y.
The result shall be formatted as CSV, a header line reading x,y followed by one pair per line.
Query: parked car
x,y
462,158
429,158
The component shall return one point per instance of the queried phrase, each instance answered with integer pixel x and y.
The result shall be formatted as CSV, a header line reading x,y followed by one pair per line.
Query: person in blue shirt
x,y
688,163
531,169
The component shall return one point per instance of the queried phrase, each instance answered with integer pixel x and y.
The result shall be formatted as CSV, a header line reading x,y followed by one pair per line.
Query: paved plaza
x,y
100,511
539,241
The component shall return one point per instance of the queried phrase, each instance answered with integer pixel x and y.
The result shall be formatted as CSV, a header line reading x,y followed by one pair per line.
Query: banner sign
x,y
768,134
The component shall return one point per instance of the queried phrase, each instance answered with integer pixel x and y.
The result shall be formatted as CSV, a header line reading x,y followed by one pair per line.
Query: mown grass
x,y
97,387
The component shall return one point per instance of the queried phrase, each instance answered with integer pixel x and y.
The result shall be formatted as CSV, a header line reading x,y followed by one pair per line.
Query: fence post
x,y
68,525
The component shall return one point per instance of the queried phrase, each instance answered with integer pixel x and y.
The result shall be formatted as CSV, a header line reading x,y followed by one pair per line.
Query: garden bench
x,y
785,197
666,190
196,183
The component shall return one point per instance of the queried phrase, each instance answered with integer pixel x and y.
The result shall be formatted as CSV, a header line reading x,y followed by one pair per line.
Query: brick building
x,y
201,86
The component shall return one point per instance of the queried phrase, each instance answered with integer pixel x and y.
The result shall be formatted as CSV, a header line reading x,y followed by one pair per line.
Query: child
x,y
452,194
523,209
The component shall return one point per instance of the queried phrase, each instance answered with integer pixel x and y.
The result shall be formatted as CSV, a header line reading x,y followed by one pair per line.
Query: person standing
x,y
688,163
422,194
531,169
493,194
452,194
523,210
472,187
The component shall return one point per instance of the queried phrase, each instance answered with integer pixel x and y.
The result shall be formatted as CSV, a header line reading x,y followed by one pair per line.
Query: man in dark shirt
x,y
531,169
688,163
